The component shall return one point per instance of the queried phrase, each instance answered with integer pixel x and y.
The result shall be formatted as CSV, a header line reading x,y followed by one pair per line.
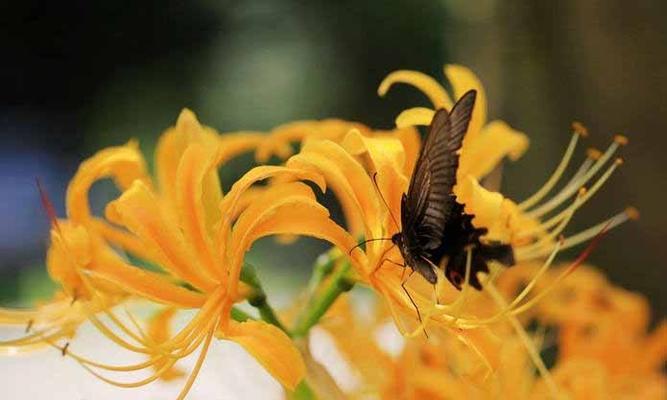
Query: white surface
x,y
229,373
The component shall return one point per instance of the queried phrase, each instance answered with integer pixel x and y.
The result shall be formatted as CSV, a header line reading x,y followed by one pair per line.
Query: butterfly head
x,y
397,239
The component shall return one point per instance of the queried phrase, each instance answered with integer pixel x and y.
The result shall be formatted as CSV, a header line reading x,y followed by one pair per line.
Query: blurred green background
x,y
76,77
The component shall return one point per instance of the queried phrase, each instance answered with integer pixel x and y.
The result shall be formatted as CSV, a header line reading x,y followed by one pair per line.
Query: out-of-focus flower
x,y
601,362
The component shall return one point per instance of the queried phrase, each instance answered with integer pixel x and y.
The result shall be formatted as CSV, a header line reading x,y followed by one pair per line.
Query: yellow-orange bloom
x,y
597,361
348,166
181,223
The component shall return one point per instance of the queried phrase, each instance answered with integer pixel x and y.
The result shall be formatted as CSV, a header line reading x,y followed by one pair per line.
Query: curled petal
x,y
427,85
416,116
348,179
232,144
497,141
286,208
463,80
232,203
123,164
272,348
279,139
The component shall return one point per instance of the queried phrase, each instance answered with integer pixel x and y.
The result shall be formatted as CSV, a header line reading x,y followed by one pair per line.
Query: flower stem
x,y
240,315
318,305
258,297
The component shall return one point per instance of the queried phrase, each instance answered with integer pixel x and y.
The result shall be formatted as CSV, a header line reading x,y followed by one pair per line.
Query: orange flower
x,y
601,362
183,224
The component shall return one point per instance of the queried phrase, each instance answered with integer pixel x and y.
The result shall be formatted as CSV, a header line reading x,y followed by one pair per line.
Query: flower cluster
x,y
173,238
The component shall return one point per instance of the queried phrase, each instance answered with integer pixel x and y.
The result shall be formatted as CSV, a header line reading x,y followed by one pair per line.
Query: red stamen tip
x,y
47,204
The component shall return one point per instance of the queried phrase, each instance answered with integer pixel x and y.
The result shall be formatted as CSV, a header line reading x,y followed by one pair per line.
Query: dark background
x,y
75,77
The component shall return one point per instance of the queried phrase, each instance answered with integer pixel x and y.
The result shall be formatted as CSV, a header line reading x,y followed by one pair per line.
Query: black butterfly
x,y
434,224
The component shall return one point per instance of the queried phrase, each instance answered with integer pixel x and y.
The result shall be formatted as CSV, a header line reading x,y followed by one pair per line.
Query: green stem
x,y
339,283
240,315
258,297
323,266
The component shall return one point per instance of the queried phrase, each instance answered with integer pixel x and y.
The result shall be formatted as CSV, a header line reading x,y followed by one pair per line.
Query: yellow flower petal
x,y
416,116
137,210
71,250
485,205
272,348
411,141
348,179
172,145
427,85
497,141
386,157
462,80
146,284
283,208
232,203
123,164
278,140
196,169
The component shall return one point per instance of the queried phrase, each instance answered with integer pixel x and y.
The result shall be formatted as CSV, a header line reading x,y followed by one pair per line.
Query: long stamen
x,y
124,327
579,130
137,326
527,342
529,287
574,186
575,206
601,233
628,214
111,335
556,231
155,376
198,365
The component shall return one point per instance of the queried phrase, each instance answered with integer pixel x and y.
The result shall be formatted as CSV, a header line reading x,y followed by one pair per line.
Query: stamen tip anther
x,y
619,161
579,129
620,139
593,153
561,239
582,191
632,213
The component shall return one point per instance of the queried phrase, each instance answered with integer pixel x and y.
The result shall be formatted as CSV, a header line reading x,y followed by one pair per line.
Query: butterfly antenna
x,y
366,241
375,174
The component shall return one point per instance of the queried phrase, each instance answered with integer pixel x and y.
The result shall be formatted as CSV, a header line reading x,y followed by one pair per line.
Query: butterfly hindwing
x,y
429,201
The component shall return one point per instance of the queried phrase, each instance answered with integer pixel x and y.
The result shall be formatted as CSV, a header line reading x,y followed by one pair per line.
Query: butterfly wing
x,y
429,201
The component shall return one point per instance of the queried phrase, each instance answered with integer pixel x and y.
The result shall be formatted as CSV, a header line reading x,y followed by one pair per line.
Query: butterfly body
x,y
435,227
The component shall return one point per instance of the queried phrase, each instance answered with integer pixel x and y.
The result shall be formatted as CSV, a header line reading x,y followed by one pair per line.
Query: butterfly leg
x,y
384,259
419,316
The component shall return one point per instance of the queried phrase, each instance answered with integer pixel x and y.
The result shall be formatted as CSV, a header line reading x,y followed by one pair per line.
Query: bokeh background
x,y
77,76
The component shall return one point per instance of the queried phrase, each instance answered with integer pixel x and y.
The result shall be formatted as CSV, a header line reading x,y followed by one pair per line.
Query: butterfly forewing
x,y
429,201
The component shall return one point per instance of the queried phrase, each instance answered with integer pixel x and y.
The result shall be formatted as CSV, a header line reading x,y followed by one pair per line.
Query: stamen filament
x,y
555,177
528,344
574,186
555,232
198,365
584,235
577,204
